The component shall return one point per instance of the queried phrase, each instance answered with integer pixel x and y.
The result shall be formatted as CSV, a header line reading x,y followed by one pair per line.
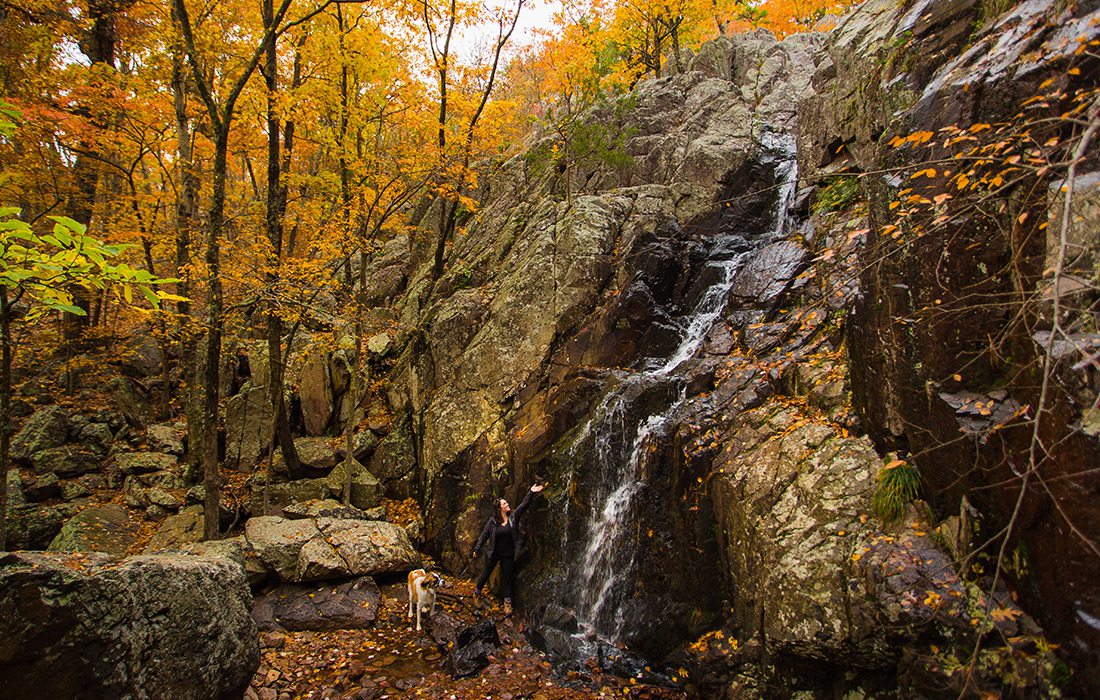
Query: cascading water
x,y
635,413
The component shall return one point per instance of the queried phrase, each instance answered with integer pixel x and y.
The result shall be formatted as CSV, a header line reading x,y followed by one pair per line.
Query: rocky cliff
x,y
688,349
804,349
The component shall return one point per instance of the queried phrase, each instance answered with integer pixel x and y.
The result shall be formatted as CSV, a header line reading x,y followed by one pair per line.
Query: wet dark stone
x,y
44,487
770,271
349,605
472,649
560,618
442,627
622,663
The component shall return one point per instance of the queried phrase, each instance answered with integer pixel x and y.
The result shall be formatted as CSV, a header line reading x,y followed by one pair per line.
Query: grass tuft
x,y
898,486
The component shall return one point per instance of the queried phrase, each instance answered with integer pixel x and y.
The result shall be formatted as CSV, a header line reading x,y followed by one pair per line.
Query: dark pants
x,y
507,574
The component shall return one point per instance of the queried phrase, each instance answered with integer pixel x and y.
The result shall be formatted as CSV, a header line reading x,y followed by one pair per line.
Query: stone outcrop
x,y
586,269
316,391
934,325
366,491
570,282
151,626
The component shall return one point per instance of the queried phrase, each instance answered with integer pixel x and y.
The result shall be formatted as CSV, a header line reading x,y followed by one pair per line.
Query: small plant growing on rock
x,y
898,486
837,195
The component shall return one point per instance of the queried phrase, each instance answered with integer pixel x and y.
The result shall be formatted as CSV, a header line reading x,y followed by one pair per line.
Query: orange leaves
x,y
916,138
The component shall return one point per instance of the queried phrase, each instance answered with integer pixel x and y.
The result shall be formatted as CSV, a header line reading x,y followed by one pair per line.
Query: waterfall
x,y
636,413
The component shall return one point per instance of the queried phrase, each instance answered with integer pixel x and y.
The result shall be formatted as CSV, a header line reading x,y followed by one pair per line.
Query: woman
x,y
502,533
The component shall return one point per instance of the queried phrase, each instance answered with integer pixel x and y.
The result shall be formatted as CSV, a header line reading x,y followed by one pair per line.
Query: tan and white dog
x,y
422,587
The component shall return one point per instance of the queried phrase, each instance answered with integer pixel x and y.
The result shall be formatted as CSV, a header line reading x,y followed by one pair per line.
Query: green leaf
x,y
70,224
68,308
150,296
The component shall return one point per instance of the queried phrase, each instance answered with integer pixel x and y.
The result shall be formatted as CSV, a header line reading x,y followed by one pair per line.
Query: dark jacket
x,y
489,532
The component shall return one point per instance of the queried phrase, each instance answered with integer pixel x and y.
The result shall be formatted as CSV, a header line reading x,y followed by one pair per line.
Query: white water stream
x,y
622,435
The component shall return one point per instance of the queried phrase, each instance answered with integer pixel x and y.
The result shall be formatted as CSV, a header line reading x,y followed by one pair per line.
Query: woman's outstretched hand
x,y
537,487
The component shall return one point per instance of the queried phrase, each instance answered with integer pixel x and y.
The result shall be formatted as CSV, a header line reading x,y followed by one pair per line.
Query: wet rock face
x,y
94,627
599,280
920,333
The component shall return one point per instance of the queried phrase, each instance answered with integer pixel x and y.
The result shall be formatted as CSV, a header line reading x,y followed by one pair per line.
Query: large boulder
x,y
331,508
32,526
151,626
66,460
394,462
284,494
129,463
248,421
315,391
792,500
366,491
472,649
131,399
327,548
104,529
46,428
43,487
178,530
348,605
316,454
96,437
166,438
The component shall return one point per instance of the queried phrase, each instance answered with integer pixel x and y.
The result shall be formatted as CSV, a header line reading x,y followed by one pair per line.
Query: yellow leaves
x,y
930,173
933,600
1003,614
894,464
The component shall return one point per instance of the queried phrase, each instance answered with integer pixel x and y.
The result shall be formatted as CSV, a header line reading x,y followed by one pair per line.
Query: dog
x,y
422,587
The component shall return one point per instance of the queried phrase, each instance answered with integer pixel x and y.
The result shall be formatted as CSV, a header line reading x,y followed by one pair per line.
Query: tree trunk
x,y
186,209
276,210
211,364
5,413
